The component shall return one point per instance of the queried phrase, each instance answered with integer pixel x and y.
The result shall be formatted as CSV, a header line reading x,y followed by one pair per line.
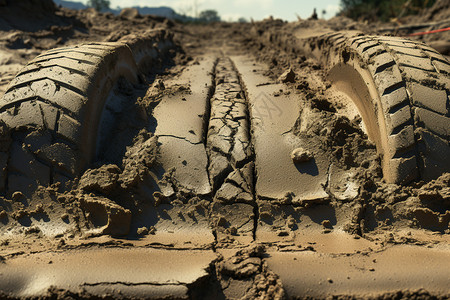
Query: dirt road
x,y
266,160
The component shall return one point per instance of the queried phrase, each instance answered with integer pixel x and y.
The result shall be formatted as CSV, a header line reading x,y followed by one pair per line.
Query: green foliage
x,y
384,10
99,5
209,16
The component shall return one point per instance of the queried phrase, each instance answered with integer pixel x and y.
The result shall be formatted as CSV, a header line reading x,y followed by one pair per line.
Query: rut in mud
x,y
230,150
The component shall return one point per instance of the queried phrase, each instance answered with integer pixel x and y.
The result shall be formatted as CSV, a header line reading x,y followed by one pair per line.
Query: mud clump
x,y
246,276
287,76
382,206
103,180
300,155
106,216
347,141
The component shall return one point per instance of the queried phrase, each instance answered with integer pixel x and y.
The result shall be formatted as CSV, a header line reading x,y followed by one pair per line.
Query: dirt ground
x,y
235,169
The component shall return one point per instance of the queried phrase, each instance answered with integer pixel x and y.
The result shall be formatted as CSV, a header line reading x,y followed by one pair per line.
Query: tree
x,y
373,10
99,5
209,15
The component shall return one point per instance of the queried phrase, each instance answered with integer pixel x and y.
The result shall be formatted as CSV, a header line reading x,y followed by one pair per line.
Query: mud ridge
x,y
228,140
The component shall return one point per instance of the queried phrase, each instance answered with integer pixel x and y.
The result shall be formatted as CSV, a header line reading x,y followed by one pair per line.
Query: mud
x,y
235,169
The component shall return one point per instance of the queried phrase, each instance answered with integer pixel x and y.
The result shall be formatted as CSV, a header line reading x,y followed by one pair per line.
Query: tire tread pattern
x,y
44,108
413,84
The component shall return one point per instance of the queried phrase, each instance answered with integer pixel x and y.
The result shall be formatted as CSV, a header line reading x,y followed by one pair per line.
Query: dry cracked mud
x,y
231,161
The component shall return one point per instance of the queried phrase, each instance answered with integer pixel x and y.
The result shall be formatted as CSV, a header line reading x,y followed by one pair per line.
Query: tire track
x,y
228,141
231,158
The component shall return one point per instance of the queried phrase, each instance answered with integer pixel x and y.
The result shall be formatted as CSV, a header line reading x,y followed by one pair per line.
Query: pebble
x,y
287,76
300,155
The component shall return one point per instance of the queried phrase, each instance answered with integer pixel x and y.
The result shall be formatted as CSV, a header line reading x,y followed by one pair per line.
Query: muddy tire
x,y
401,89
53,107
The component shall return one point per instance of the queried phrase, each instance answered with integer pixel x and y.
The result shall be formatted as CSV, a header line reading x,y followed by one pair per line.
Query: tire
x,y
401,89
53,107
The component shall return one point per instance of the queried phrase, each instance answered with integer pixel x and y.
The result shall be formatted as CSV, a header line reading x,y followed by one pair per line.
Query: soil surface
x,y
234,169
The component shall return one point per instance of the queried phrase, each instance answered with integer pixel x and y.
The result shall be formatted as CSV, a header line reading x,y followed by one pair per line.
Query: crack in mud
x,y
180,138
249,116
227,140
134,283
207,115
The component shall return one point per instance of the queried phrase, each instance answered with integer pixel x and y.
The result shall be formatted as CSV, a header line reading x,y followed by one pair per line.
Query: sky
x,y
232,10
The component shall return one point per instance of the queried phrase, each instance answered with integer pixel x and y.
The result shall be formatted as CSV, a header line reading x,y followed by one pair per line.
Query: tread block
x,y
393,41
394,99
441,66
60,48
28,114
69,128
437,123
423,63
359,39
50,115
52,92
397,119
70,57
61,156
402,51
404,170
435,153
81,49
362,45
401,141
388,79
59,75
430,98
380,62
46,91
22,161
16,94
433,54
69,65
417,74
367,54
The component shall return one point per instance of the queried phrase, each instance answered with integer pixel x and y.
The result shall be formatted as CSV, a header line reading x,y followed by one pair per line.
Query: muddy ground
x,y
245,217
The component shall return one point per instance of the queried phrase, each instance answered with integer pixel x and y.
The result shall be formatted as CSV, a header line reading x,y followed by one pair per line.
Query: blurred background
x,y
245,10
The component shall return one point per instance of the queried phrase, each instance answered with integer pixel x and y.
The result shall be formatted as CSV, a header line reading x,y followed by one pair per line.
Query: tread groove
x,y
428,109
38,68
70,51
385,66
408,152
400,127
79,60
394,87
378,52
416,67
61,83
17,103
398,106
368,47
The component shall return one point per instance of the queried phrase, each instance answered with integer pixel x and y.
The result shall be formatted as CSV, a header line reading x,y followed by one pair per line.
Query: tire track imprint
x,y
228,142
